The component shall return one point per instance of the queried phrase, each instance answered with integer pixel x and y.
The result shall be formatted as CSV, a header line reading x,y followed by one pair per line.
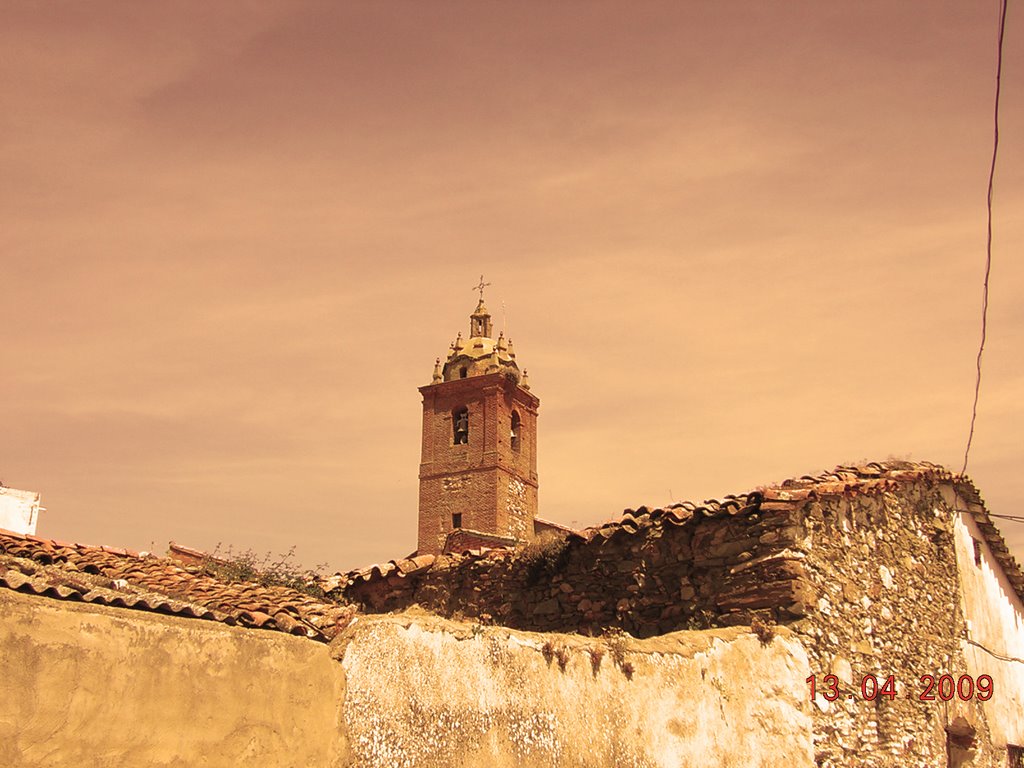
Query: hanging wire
x,y
988,248
990,652
1011,518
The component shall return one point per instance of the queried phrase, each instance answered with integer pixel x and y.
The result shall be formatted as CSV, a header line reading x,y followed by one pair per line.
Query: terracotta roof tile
x,y
121,578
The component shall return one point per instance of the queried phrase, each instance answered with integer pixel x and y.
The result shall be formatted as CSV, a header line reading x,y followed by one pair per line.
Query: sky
x,y
733,243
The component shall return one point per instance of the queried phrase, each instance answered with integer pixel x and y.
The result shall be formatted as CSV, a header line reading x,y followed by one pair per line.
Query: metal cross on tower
x,y
480,287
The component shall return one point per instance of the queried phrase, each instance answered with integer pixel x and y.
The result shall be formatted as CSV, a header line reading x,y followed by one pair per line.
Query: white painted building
x,y
19,510
991,592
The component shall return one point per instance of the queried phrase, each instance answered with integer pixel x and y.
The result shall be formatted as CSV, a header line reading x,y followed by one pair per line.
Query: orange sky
x,y
736,242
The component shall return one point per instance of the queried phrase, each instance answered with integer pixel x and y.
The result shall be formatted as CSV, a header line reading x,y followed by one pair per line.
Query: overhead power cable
x,y
988,248
1011,518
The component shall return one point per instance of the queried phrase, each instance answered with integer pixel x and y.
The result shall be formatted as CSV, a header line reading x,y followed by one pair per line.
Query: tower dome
x,y
480,354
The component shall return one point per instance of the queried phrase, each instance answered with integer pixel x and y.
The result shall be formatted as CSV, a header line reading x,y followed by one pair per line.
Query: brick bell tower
x,y
478,471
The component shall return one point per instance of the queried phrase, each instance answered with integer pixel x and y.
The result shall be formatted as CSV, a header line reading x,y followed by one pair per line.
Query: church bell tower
x,y
478,470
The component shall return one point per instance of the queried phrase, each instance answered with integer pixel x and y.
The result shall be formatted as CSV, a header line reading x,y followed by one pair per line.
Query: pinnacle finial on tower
x,y
480,320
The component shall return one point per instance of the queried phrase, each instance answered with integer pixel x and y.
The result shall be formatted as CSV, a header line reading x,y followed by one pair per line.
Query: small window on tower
x,y
463,371
460,426
977,552
516,427
457,520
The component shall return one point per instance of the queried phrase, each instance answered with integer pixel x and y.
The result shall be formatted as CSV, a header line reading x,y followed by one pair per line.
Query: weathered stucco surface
x,y
96,686
993,611
424,692
84,685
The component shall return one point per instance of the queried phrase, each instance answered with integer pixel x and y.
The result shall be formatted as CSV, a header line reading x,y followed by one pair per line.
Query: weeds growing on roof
x,y
267,571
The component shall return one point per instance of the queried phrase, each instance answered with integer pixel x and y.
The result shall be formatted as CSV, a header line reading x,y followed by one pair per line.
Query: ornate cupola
x,y
481,354
478,472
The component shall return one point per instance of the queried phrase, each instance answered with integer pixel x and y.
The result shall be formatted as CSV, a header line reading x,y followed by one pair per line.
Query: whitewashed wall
x,y
19,510
427,693
996,621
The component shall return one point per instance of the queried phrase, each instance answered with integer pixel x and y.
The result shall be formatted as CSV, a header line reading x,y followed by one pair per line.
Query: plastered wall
x,y
84,685
993,613
427,692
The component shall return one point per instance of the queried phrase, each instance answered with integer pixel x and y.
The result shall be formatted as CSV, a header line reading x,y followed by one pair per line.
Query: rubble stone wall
x,y
885,569
647,577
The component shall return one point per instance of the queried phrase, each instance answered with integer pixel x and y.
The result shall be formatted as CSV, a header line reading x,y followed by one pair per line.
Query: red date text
x,y
931,688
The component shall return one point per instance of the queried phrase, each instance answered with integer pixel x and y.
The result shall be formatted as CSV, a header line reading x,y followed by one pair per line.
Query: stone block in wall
x,y
727,549
550,606
769,595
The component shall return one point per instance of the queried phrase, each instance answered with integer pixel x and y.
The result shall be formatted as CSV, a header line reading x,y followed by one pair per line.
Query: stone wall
x,y
650,573
885,570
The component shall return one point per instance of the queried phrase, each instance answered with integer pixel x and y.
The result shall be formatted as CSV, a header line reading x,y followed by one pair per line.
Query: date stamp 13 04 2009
x,y
929,688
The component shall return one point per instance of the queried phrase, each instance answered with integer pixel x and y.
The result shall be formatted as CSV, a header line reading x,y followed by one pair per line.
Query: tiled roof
x,y
394,568
126,579
976,506
869,479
